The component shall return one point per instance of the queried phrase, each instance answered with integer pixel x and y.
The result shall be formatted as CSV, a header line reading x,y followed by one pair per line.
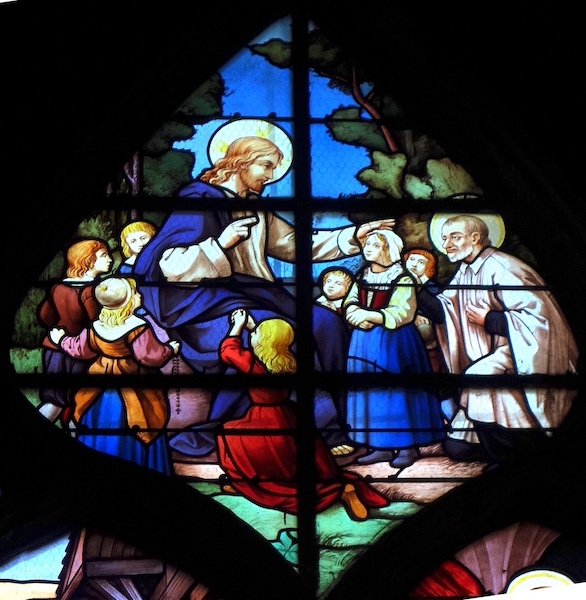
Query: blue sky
x,y
255,88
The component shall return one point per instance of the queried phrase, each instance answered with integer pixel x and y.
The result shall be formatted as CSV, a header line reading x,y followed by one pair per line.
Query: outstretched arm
x,y
76,346
327,244
363,230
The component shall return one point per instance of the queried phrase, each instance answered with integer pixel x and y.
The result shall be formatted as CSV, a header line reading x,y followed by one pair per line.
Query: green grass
x,y
341,540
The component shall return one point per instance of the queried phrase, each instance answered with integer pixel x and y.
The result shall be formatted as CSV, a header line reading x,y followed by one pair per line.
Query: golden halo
x,y
494,222
536,579
238,128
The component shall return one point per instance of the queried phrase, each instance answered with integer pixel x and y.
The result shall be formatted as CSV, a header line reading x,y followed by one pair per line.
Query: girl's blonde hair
x,y
116,316
133,228
336,272
391,245
274,346
384,245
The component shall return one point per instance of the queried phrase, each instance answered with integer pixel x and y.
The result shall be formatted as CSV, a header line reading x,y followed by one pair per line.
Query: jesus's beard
x,y
254,185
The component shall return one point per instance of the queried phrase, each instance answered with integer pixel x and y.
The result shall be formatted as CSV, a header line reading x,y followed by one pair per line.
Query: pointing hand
x,y
237,231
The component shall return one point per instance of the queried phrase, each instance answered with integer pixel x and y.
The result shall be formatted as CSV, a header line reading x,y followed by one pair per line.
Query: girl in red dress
x,y
263,467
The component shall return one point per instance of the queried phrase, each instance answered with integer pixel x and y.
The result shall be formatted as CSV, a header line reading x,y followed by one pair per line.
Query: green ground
x,y
341,540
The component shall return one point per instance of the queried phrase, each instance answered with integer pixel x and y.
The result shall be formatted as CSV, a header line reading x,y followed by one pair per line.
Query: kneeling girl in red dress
x,y
263,467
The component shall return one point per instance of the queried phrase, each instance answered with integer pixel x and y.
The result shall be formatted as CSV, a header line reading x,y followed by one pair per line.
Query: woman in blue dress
x,y
391,422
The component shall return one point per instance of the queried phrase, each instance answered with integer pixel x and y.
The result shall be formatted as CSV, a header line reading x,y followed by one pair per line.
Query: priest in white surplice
x,y
507,326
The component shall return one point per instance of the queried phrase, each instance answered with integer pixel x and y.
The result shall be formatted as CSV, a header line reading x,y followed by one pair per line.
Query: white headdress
x,y
394,242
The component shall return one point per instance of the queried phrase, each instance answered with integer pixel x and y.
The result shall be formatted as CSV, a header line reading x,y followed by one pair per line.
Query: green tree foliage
x,y
55,269
27,330
416,187
447,179
346,128
385,174
405,164
164,137
99,226
413,228
163,175
165,169
206,101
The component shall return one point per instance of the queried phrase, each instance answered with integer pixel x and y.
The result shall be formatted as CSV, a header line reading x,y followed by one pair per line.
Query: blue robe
x,y
198,316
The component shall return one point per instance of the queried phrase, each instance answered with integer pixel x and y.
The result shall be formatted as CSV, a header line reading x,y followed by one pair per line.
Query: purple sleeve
x,y
149,351
77,346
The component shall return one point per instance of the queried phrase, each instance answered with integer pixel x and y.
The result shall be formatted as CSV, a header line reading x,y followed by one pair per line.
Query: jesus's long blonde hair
x,y
241,153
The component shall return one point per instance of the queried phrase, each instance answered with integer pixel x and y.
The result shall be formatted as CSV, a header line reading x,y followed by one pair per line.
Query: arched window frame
x,y
43,433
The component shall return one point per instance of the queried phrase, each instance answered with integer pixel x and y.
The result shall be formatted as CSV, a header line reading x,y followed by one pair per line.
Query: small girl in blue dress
x,y
391,422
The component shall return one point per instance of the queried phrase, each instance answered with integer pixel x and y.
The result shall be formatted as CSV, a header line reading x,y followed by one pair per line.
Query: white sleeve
x,y
194,263
329,244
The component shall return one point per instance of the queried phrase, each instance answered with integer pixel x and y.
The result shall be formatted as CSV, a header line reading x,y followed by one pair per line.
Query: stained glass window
x,y
301,306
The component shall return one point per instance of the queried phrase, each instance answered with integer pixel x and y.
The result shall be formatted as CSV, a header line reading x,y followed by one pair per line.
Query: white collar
x,y
477,263
111,333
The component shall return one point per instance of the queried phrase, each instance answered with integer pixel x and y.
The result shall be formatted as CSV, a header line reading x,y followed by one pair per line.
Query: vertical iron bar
x,y
306,470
